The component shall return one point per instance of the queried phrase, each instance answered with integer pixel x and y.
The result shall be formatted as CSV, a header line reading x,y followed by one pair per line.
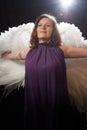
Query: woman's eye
x,y
48,25
39,25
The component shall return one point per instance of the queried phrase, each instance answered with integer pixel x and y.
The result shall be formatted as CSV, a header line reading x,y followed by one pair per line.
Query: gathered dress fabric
x,y
46,97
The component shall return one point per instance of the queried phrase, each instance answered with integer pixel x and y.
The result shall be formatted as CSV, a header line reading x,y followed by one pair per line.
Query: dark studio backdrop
x,y
16,12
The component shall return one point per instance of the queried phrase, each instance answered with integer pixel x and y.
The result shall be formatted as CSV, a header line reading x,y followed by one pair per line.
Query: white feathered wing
x,y
12,73
15,39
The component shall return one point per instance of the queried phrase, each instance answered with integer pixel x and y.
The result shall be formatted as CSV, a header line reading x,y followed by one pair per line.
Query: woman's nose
x,y
44,26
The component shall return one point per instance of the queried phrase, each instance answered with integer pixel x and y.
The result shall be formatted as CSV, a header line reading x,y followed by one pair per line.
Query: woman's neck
x,y
44,41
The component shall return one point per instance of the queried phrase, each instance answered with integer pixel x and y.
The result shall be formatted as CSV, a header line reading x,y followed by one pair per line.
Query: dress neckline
x,y
46,44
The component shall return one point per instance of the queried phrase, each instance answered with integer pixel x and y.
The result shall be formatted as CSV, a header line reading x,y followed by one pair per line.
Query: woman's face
x,y
44,30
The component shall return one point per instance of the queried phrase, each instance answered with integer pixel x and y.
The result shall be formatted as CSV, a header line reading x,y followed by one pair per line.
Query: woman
x,y
46,96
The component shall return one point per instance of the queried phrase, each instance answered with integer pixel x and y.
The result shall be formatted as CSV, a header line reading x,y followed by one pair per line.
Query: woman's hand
x,y
6,55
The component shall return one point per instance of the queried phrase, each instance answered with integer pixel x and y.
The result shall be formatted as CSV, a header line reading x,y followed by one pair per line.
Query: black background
x,y
16,12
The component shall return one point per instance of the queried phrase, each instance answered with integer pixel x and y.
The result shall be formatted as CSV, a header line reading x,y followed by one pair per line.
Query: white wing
x,y
15,39
12,73
71,35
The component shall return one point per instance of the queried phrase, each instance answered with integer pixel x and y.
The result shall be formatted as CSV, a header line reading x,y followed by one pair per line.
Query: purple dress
x,y
46,95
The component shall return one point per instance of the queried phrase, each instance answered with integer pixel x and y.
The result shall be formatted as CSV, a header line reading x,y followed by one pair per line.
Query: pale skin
x,y
44,31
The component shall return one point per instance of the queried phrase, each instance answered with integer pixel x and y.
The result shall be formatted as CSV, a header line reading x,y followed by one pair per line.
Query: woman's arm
x,y
73,52
20,56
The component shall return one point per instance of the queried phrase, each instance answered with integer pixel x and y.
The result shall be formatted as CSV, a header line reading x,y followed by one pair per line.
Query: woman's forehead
x,y
45,20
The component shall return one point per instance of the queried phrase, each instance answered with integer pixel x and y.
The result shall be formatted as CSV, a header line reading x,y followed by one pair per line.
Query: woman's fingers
x,y
5,54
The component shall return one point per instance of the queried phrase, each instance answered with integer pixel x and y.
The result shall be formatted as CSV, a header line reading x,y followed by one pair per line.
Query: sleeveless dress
x,y
46,95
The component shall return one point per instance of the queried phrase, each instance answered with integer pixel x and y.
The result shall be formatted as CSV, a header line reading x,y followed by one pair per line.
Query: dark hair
x,y
55,38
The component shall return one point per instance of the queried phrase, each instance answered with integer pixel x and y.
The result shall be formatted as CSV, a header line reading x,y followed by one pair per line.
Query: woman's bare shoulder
x,y
24,52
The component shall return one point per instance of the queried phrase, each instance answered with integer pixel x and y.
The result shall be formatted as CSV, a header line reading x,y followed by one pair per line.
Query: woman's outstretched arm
x,y
20,56
73,52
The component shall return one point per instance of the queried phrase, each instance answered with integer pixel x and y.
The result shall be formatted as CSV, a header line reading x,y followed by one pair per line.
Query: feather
x,y
12,73
71,35
16,38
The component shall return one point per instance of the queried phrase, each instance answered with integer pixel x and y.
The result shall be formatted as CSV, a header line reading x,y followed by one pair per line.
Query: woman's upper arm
x,y
24,52
69,51
74,52
64,49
